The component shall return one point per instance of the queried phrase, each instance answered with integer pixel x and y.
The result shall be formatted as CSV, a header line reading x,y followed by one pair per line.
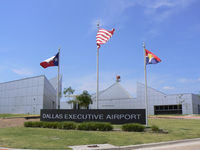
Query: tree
x,y
84,99
68,91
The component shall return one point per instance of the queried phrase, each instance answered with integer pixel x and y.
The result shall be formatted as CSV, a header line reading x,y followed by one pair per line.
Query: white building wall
x,y
54,83
65,105
181,99
153,97
114,97
23,96
114,104
26,96
49,96
156,98
196,104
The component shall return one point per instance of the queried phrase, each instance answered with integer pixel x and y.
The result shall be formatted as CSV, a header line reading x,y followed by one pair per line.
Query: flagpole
x,y
58,77
97,92
145,74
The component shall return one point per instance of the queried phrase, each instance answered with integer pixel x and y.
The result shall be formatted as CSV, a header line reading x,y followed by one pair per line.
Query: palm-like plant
x,y
84,99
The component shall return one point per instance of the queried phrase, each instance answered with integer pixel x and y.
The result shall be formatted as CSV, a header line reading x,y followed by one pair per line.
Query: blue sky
x,y
32,31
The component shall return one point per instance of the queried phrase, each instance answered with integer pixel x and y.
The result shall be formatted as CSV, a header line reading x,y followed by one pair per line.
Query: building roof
x,y
27,78
149,88
143,85
115,91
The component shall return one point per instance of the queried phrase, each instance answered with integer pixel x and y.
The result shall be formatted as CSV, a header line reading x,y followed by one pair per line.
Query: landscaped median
x,y
92,126
88,126
50,138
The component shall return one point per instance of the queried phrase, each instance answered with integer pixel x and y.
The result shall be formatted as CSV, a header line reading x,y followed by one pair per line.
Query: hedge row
x,y
133,127
89,126
54,125
140,128
94,126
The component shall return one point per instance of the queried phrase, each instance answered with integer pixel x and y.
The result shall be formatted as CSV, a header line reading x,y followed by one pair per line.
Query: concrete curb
x,y
132,147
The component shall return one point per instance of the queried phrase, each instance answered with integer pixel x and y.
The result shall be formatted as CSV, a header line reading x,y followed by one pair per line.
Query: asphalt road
x,y
195,145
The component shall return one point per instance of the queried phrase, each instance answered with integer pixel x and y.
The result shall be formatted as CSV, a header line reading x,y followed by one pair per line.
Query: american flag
x,y
103,36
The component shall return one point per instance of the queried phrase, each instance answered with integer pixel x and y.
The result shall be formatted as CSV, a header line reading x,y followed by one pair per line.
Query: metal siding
x,y
18,96
155,97
49,95
195,103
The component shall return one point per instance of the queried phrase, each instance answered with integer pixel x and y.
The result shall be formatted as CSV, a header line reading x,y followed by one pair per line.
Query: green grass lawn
x,y
35,138
15,115
173,115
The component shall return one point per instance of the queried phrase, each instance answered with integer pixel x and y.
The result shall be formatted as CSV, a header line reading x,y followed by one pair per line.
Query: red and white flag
x,y
53,61
103,36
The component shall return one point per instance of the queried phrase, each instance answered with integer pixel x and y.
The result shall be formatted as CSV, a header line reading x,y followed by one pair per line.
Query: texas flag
x,y
53,61
151,58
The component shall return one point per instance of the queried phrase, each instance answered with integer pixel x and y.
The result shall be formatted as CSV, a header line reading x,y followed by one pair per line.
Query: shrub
x,y
28,124
87,126
47,125
60,125
93,126
68,125
33,124
54,125
104,126
155,128
133,127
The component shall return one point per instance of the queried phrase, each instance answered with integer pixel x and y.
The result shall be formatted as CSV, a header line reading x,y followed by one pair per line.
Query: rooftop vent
x,y
118,78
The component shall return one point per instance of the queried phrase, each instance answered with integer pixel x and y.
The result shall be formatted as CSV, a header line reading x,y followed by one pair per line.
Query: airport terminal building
x,y
28,95
116,97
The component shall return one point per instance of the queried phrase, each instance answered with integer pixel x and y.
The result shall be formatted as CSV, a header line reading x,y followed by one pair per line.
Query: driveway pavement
x,y
179,146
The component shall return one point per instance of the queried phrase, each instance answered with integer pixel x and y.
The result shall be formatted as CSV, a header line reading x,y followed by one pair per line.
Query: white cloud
x,y
22,72
168,88
112,13
162,3
183,80
159,10
186,80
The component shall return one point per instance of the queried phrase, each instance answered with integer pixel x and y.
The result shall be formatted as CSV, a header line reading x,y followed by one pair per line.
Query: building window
x,y
168,109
